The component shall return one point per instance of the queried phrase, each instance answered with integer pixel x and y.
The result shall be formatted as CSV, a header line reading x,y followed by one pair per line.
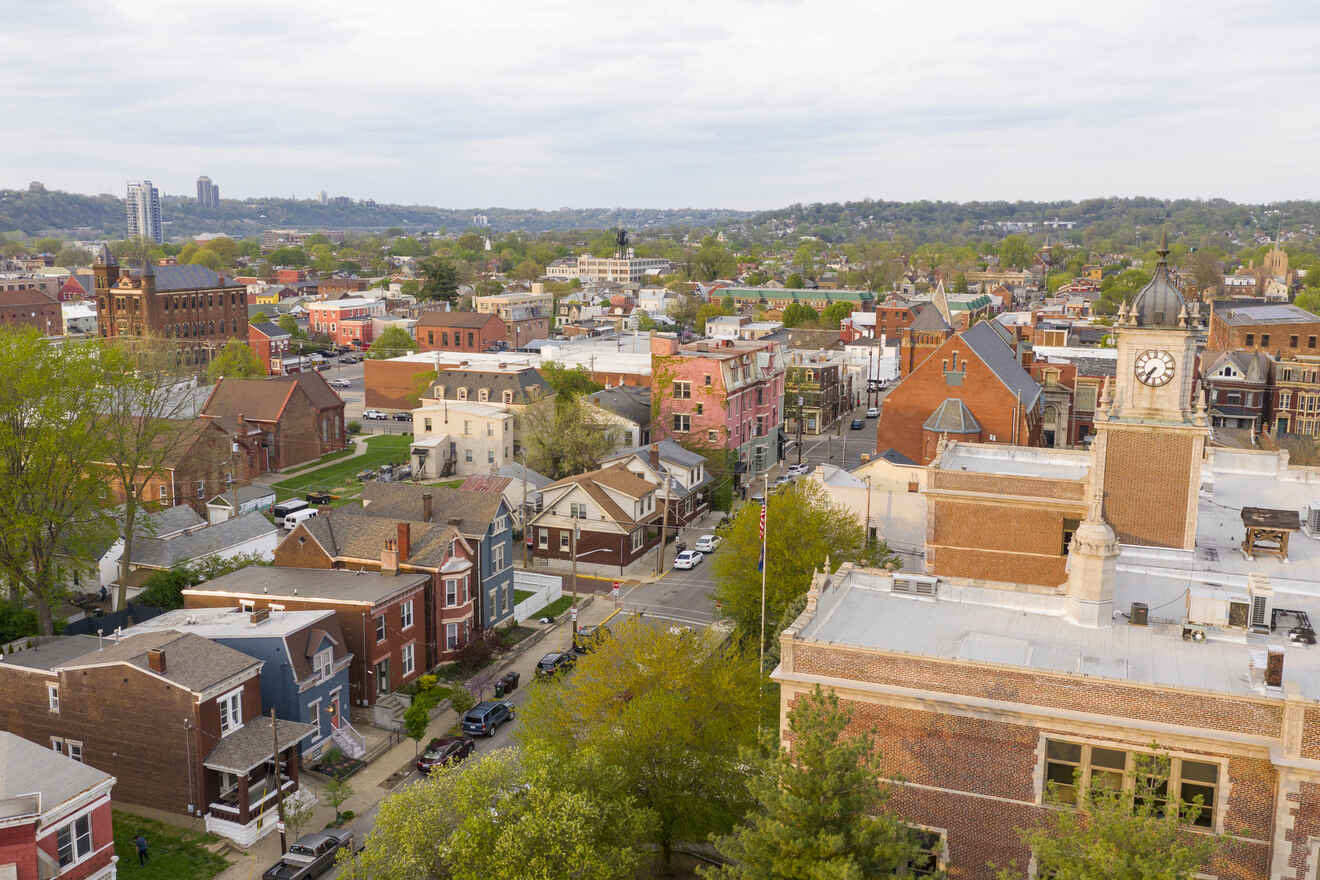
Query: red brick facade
x,y
459,331
31,308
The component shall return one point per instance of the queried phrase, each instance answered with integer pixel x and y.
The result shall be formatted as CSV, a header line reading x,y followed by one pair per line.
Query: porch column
x,y
294,760
243,799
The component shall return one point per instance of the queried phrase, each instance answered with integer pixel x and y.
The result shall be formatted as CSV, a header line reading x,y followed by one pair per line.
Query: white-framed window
x,y
314,716
323,662
201,488
490,456
638,538
164,492
408,655
53,697
451,592
577,511
682,390
57,744
483,395
682,423
406,614
231,711
451,636
74,749
380,629
507,397
73,842
563,542
1077,766
497,558
247,606
501,523
542,539
467,455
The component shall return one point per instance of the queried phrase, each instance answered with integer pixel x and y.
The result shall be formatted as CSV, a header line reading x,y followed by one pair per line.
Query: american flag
x,y
760,564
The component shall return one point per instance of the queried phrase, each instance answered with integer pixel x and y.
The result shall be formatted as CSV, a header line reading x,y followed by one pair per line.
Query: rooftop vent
x,y
916,585
1140,614
1311,523
261,615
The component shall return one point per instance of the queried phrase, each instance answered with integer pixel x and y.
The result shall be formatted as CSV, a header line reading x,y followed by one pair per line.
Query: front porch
x,y
249,786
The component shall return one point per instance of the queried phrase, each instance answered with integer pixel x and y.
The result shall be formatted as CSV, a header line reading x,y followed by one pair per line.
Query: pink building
x,y
346,321
720,393
54,812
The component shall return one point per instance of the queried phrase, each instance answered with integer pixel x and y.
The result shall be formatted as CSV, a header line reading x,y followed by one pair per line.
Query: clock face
x,y
1154,368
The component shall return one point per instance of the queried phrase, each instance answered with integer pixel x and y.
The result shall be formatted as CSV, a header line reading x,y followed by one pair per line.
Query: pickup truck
x,y
310,855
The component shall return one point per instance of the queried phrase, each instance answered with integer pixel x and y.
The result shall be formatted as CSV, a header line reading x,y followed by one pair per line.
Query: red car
x,y
444,750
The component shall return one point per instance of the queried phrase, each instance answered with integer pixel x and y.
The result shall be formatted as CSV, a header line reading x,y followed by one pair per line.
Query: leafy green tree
x,y
794,281
960,283
798,315
657,718
835,313
820,809
527,270
568,382
803,529
1309,299
1120,834
805,259
645,322
440,280
209,259
684,310
563,437
713,260
394,342
415,721
1015,252
756,278
289,325
336,792
16,620
709,310
69,257
1055,280
288,256
235,361
258,318
52,497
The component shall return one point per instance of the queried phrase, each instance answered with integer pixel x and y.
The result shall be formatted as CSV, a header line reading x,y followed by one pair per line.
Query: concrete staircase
x,y
350,742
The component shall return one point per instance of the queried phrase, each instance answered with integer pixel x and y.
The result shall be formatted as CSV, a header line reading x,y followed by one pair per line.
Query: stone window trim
x,y
1223,787
53,697
230,705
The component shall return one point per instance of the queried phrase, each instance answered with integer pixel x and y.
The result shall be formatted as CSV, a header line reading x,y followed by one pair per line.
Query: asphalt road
x,y
840,445
684,597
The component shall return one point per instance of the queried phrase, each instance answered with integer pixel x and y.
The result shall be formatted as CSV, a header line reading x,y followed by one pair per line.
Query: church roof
x,y
952,417
1003,361
929,318
1160,302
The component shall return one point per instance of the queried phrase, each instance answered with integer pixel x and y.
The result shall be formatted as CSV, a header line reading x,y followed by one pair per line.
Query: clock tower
x,y
1150,436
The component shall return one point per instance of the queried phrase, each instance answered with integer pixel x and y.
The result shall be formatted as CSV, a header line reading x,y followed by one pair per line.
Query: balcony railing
x,y
259,793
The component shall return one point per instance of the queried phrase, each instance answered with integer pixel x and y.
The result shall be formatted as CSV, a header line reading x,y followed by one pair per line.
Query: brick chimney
x,y
404,543
655,456
389,557
156,660
1274,668
426,506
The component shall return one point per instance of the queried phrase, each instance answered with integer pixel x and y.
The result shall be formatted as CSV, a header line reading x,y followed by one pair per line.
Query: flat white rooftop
x,y
1019,461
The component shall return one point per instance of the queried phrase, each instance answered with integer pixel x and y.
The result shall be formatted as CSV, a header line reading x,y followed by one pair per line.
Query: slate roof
x,y
313,583
929,318
633,404
515,472
1273,314
1254,366
893,456
401,501
1002,361
27,768
270,330
952,417
245,494
191,661
526,384
248,747
263,400
48,652
149,524
352,532
168,552
188,277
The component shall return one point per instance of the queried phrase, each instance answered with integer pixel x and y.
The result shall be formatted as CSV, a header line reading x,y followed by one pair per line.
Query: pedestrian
x,y
143,855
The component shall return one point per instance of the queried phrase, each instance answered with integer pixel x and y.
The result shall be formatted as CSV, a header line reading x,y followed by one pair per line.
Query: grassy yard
x,y
175,853
340,477
554,609
520,595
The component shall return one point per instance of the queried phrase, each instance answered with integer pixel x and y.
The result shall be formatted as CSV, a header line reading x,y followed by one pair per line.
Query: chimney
x,y
426,506
260,616
404,543
1274,668
655,456
156,660
389,557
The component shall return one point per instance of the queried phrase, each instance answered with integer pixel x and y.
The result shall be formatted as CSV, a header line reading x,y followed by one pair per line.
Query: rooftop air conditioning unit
x,y
916,585
1262,607
1311,522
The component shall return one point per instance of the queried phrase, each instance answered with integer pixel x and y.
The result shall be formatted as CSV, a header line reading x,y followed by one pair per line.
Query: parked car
x,y
873,413
291,520
311,855
485,718
339,383
858,424
403,417
318,498
757,498
799,470
444,750
555,662
781,482
688,559
588,638
374,414
708,543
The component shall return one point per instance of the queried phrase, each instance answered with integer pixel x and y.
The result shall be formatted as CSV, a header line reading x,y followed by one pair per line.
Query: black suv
x,y
485,718
555,662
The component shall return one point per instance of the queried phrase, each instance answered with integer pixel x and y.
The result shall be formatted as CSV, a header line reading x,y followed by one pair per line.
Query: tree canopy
x,y
563,437
394,342
439,280
235,361
798,315
568,382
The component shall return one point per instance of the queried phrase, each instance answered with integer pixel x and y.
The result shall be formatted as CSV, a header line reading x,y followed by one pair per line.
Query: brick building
x,y
31,307
1295,397
191,305
927,332
198,464
1280,330
381,613
720,394
1237,388
526,316
346,321
176,717
609,517
1071,381
817,392
970,388
1081,610
445,617
776,299
460,331
55,818
270,343
281,421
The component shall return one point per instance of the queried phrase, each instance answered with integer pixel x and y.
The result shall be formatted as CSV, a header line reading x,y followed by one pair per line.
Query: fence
x,y
108,623
545,588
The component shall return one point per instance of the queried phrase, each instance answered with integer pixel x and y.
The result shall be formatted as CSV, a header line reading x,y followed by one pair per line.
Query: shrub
x,y
461,699
426,683
475,653
355,427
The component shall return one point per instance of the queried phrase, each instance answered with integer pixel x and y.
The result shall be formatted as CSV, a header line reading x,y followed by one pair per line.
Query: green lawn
x,y
340,477
555,608
175,853
520,595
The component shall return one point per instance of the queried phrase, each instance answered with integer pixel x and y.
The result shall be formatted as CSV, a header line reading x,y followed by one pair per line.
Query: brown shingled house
x,y
614,511
296,418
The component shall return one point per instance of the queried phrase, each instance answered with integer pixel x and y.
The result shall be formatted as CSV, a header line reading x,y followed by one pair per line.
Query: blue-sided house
x,y
305,676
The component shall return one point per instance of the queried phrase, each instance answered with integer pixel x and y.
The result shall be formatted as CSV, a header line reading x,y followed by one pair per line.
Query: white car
x,y
687,559
339,383
873,413
798,470
374,414
708,543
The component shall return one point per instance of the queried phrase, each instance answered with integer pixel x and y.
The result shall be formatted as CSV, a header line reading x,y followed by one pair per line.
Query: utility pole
x,y
233,473
573,551
868,512
664,524
527,535
765,561
799,427
279,788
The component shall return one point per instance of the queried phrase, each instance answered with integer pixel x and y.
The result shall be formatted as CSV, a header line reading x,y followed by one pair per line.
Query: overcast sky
x,y
710,103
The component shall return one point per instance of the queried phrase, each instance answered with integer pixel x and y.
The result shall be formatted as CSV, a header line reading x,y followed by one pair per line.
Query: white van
x,y
284,508
291,521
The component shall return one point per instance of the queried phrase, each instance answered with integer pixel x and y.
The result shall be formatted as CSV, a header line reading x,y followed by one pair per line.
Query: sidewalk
x,y
271,477
369,783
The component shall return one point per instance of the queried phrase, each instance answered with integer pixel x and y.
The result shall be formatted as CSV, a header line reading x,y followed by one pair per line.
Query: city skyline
x,y
743,106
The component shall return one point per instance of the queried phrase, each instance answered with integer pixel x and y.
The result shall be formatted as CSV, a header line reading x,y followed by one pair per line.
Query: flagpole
x,y
765,503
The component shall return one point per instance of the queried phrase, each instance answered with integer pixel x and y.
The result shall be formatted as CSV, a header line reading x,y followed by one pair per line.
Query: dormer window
x,y
322,663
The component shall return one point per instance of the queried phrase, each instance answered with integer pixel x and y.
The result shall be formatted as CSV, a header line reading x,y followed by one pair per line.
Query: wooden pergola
x,y
1268,531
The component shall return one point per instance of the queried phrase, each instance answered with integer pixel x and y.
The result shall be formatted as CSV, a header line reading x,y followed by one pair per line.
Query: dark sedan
x,y
858,424
555,662
444,750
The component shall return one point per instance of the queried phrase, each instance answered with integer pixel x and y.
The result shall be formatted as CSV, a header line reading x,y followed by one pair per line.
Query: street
x,y
840,445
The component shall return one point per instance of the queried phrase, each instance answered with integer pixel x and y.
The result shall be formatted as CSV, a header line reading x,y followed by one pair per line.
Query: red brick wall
x,y
394,384
443,338
1226,337
18,846
1162,466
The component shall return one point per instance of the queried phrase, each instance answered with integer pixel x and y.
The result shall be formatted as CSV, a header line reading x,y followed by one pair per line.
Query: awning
x,y
251,746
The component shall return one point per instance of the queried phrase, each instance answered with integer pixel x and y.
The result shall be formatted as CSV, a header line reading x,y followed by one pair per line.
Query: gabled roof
x,y
191,661
516,471
350,532
248,747
1251,366
616,477
1002,361
893,456
264,400
165,553
952,417
270,330
631,403
27,768
473,511
485,483
929,318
